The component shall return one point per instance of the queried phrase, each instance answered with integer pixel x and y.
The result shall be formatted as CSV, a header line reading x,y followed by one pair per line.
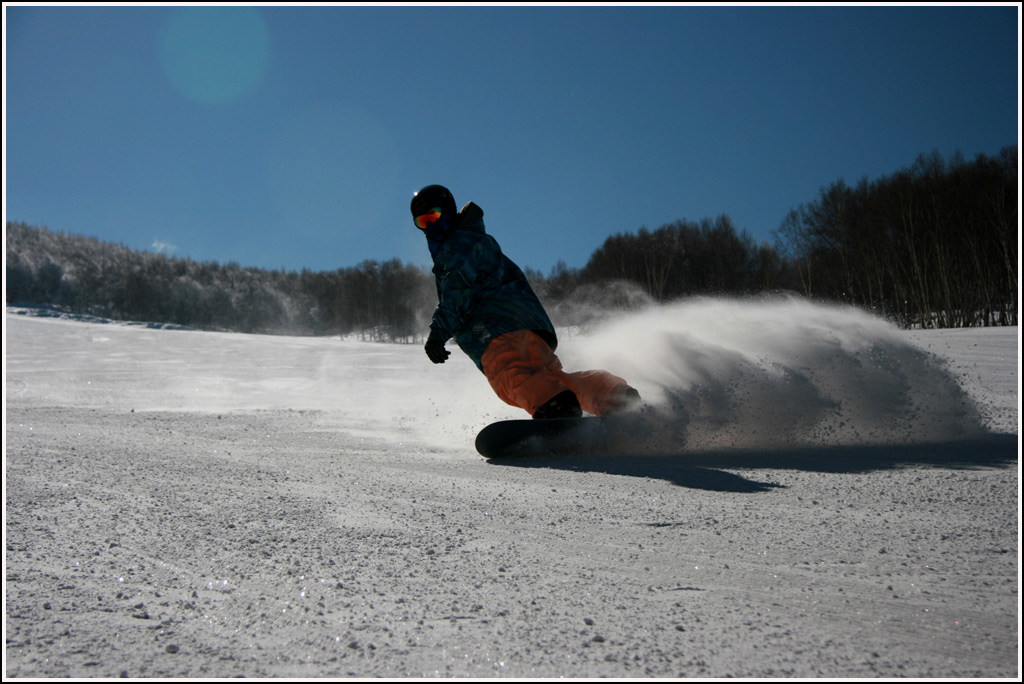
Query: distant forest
x,y
932,245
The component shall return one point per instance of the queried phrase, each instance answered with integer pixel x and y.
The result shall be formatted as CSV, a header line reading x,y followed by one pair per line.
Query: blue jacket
x,y
481,293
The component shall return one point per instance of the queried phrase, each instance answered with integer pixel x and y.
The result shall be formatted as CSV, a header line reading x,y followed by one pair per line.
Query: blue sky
x,y
293,137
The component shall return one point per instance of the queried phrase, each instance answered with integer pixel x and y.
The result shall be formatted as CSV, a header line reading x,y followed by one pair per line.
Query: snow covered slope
x,y
822,495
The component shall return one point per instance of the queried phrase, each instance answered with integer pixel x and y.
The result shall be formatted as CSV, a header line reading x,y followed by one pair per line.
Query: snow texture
x,y
816,494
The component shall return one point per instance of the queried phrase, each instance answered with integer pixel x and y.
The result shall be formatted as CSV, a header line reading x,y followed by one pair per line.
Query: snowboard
x,y
528,437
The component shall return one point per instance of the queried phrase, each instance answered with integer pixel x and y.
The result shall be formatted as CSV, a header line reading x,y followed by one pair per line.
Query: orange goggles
x,y
424,220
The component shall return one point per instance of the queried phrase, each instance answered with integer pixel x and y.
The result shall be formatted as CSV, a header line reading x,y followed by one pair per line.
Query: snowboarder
x,y
487,305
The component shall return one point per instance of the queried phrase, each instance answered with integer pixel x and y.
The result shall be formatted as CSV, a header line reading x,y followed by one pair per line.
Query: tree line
x,y
388,301
933,245
683,258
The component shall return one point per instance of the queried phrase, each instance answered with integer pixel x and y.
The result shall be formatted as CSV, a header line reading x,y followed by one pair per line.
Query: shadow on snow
x,y
708,469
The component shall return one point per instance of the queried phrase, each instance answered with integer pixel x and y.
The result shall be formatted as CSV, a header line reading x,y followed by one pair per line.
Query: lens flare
x,y
215,55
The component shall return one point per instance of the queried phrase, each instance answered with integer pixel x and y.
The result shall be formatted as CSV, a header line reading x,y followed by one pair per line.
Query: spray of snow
x,y
775,371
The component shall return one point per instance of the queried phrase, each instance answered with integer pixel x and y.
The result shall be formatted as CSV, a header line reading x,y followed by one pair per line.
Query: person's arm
x,y
456,294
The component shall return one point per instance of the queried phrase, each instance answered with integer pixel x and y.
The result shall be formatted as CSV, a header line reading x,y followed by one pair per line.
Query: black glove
x,y
436,351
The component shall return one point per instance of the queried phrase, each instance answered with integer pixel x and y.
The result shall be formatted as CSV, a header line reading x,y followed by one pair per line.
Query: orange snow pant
x,y
524,372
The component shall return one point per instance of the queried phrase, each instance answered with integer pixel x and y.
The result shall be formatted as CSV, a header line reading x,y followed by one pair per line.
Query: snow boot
x,y
562,405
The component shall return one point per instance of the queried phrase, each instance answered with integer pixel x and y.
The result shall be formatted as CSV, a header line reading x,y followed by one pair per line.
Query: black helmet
x,y
433,197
